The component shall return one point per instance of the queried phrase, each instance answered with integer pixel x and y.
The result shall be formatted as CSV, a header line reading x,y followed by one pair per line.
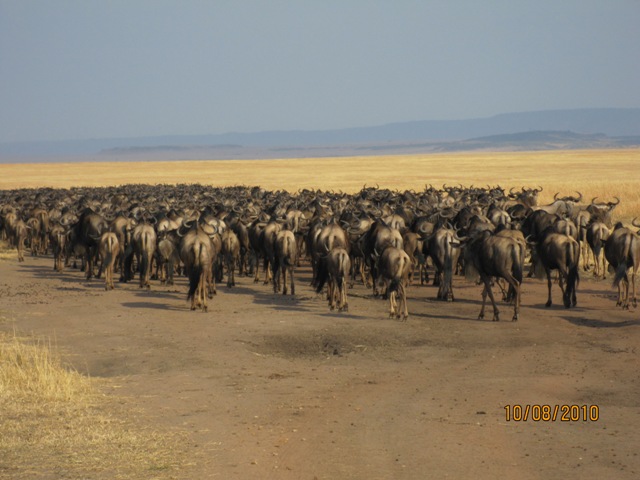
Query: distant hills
x,y
542,130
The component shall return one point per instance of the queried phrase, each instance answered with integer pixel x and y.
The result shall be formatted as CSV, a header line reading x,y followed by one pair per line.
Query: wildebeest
x,y
58,240
167,257
597,234
123,227
556,251
196,254
379,237
286,253
333,269
622,251
495,256
108,249
20,237
324,239
230,254
144,245
443,247
86,233
393,267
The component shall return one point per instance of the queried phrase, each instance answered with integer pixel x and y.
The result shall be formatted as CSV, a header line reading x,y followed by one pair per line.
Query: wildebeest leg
x,y
403,302
516,308
293,285
203,296
212,283
549,283
633,288
392,304
496,312
267,273
344,305
330,293
484,302
284,269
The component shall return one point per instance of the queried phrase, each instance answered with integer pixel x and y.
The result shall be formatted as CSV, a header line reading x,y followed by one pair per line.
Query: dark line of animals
x,y
381,236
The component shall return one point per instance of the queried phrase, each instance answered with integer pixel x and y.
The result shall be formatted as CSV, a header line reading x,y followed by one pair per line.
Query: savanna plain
x,y
130,383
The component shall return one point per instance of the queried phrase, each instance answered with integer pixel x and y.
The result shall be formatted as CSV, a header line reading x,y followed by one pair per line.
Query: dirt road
x,y
278,387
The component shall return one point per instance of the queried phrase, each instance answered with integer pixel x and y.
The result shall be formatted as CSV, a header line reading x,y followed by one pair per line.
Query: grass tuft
x,y
55,421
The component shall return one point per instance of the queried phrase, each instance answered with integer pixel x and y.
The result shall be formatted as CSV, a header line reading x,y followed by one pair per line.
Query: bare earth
x,y
267,386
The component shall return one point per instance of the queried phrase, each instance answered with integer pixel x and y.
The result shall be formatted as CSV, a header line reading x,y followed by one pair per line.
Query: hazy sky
x,y
97,69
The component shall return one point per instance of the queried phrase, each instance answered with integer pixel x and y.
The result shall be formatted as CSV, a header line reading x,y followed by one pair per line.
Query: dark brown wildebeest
x,y
412,244
144,245
597,234
20,233
268,247
33,235
196,254
393,267
43,229
108,249
622,250
58,240
602,212
167,257
123,228
86,234
286,253
556,251
375,241
499,256
327,238
333,269
498,216
443,247
230,254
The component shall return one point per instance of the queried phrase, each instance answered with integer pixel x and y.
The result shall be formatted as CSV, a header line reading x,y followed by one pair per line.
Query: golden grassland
x,y
56,422
601,173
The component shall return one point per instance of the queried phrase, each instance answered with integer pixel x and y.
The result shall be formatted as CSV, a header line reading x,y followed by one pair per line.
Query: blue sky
x,y
95,69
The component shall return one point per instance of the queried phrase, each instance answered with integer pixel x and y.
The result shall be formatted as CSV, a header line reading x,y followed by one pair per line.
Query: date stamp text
x,y
552,413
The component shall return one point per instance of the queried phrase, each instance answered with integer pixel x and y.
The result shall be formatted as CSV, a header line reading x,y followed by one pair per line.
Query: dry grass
x,y
6,252
602,173
55,423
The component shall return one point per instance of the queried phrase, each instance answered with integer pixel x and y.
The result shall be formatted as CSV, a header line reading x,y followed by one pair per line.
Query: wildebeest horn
x,y
579,199
555,195
459,239
593,200
617,201
540,188
511,191
633,222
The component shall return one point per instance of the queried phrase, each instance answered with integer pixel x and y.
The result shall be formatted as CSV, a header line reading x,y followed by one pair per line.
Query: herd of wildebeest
x,y
381,237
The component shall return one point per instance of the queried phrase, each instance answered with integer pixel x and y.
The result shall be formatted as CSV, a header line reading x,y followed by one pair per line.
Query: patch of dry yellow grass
x,y
55,422
6,252
602,173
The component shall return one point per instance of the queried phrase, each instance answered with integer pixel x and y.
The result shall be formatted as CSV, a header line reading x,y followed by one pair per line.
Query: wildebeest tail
x,y
448,265
517,260
195,272
573,257
322,273
289,259
108,258
144,257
